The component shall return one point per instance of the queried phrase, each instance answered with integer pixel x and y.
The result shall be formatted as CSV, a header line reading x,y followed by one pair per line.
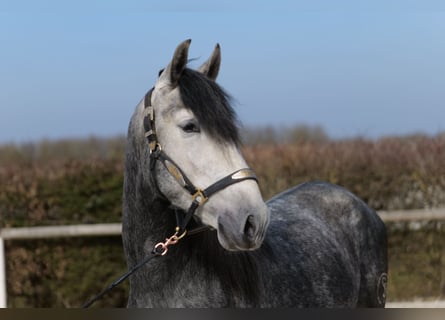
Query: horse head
x,y
196,130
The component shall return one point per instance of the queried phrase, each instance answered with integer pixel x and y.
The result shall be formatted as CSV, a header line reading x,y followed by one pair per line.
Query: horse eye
x,y
160,72
190,127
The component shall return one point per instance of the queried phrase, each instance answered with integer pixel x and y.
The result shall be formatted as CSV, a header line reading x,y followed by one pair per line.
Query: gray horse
x,y
315,245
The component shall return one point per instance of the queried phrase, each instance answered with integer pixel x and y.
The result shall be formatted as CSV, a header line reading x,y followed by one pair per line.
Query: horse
x,y
314,245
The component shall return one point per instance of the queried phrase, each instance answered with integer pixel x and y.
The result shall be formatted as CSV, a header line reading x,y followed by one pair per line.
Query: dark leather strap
x,y
237,176
175,171
149,122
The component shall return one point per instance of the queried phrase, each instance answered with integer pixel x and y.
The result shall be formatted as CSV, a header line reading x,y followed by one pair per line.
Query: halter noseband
x,y
199,196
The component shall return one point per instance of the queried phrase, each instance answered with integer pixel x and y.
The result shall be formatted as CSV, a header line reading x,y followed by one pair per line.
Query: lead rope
x,y
159,250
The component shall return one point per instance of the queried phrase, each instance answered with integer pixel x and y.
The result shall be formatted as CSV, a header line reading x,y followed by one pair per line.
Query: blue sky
x,y
369,68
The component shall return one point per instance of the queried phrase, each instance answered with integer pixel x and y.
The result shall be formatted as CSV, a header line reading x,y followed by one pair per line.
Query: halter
x,y
199,196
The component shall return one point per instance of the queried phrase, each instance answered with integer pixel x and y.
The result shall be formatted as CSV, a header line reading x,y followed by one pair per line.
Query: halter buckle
x,y
199,197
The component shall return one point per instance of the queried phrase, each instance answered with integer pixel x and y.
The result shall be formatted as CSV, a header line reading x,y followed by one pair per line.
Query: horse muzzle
x,y
241,232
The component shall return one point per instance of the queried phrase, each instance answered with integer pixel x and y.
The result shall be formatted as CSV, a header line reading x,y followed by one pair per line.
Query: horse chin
x,y
231,245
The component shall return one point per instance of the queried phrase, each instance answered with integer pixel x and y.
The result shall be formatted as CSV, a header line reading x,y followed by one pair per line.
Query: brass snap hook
x,y
162,247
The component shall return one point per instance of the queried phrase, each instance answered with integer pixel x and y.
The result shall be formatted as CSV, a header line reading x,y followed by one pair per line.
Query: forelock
x,y
210,104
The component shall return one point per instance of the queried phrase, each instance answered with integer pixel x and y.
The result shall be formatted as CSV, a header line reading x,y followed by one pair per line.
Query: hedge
x,y
80,181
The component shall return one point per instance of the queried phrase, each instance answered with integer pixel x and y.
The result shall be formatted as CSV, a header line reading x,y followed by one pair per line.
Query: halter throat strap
x,y
199,196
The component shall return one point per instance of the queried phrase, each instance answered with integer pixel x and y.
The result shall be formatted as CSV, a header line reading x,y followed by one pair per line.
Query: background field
x,y
80,181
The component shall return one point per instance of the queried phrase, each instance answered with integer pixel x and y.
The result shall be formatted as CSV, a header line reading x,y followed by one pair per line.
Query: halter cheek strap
x,y
199,196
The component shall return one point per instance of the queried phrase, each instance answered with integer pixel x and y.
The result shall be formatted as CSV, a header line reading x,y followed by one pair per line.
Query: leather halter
x,y
199,196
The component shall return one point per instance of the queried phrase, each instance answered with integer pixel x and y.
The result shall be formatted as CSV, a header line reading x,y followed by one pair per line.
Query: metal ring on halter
x,y
199,197
157,148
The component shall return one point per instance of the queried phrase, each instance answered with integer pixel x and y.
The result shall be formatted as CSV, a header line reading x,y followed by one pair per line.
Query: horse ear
x,y
210,68
179,61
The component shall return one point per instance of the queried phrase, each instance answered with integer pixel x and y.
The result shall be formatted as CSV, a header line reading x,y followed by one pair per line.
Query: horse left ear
x,y
178,63
210,68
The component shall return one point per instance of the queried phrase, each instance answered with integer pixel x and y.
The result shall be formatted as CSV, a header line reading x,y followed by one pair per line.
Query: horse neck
x,y
147,218
158,216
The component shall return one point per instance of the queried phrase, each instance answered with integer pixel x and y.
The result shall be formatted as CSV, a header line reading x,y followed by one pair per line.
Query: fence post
x,y
2,275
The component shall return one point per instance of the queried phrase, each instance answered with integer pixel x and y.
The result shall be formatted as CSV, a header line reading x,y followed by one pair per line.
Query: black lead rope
x,y
199,197
121,279
159,250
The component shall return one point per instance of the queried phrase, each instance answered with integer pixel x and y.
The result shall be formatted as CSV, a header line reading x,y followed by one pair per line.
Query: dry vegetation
x,y
70,182
391,173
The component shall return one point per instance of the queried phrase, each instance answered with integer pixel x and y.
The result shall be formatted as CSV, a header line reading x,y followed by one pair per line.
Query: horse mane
x,y
211,106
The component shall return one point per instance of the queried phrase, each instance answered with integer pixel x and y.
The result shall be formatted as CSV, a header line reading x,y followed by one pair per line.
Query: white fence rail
x,y
82,230
79,230
412,215
114,229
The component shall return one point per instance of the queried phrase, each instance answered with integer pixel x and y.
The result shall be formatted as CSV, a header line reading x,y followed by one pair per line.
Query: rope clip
x,y
161,248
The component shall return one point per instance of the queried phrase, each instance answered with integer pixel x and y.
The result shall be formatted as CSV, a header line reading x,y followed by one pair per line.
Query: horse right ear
x,y
210,68
178,63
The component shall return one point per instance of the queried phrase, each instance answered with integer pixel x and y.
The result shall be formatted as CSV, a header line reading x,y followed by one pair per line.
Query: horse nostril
x,y
250,227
